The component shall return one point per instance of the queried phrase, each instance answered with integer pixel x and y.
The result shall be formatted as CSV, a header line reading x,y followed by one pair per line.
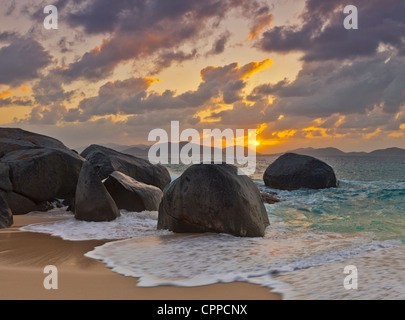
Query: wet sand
x,y
23,256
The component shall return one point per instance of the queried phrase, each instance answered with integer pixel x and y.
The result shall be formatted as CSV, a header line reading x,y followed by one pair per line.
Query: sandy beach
x,y
23,256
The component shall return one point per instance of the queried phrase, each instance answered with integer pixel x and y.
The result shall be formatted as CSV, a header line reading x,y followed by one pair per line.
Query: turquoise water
x,y
370,198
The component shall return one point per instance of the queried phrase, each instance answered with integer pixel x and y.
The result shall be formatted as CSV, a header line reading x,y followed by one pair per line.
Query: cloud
x,y
322,89
22,60
132,97
321,36
45,115
166,59
11,8
146,28
220,44
7,36
233,71
242,115
263,20
9,102
49,90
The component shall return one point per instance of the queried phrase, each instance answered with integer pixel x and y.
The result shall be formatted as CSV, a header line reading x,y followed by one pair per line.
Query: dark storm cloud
x,y
22,60
7,36
36,12
143,28
9,102
321,36
323,89
103,16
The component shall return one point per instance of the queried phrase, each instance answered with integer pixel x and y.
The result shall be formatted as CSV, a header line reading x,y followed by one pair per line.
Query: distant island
x,y
334,152
141,150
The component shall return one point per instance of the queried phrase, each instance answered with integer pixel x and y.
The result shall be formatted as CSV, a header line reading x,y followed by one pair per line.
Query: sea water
x,y
313,236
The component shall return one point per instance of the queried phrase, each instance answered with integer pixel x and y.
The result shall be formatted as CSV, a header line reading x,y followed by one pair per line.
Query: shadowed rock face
x,y
35,169
106,161
6,216
292,172
132,195
23,205
93,203
213,198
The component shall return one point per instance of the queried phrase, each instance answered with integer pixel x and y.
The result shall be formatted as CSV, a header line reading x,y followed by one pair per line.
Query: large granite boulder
x,y
293,171
106,161
132,195
93,203
23,205
6,216
35,170
14,139
213,198
5,182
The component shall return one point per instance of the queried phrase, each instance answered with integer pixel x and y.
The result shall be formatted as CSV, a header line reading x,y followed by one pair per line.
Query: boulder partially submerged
x,y
93,203
106,161
213,198
132,195
35,170
293,171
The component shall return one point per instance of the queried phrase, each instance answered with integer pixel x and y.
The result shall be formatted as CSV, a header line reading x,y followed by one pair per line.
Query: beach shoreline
x,y
23,256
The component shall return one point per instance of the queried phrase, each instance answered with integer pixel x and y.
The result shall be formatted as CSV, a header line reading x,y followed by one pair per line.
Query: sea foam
x,y
164,258
128,225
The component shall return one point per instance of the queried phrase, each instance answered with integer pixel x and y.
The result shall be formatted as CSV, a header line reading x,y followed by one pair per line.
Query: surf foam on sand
x,y
163,258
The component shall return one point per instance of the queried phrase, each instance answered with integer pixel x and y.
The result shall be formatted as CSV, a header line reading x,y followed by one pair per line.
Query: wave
x,y
128,225
164,258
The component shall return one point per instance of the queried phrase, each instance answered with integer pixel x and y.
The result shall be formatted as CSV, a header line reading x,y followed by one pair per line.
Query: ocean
x,y
314,235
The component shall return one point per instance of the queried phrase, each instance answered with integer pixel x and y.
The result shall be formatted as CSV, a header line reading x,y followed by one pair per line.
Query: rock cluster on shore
x,y
106,161
36,170
129,183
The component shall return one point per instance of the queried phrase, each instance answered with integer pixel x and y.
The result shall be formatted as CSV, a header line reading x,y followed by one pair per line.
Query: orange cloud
x,y
260,24
234,71
24,88
396,134
314,132
254,67
284,134
97,49
5,94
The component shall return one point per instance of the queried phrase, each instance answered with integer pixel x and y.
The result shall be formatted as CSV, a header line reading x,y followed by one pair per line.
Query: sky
x,y
115,70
